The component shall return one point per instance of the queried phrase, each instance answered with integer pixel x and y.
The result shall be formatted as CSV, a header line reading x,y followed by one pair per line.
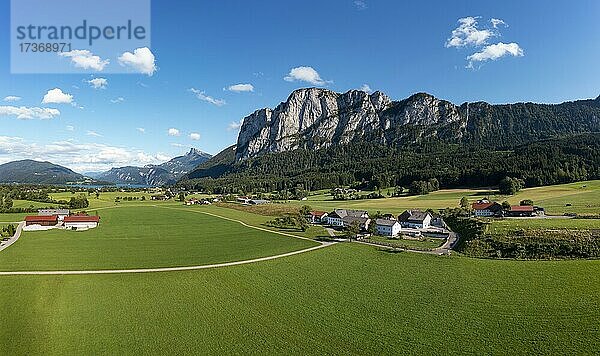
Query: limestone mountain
x,y
319,118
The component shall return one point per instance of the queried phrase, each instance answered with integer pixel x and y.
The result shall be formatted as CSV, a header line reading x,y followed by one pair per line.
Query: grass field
x,y
344,299
507,225
584,198
140,237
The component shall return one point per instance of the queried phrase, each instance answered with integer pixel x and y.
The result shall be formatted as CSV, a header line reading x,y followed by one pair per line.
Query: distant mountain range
x,y
155,175
35,172
319,139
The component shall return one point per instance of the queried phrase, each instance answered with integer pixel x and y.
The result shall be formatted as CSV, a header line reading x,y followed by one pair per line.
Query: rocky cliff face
x,y
317,118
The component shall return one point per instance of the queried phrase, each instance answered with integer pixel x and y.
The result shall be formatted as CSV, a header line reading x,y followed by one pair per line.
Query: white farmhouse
x,y
387,227
415,219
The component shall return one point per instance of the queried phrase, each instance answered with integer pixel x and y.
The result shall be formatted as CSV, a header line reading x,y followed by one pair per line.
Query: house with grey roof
x,y
415,219
336,217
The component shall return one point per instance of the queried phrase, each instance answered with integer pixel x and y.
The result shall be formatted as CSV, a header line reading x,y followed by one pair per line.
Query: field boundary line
x,y
321,244
243,223
165,269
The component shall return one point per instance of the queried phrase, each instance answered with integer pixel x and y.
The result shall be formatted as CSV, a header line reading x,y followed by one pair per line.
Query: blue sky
x,y
546,52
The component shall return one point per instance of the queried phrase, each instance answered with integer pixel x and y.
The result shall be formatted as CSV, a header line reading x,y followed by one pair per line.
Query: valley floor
x,y
342,299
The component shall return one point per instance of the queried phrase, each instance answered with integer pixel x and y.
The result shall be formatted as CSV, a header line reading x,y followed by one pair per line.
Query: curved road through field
x,y
172,269
16,236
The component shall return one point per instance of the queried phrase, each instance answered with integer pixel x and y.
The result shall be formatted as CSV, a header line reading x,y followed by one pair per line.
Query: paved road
x,y
13,239
442,250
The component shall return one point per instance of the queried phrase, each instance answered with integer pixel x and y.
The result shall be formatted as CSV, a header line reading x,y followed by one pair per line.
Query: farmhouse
x,y
520,211
362,222
415,219
317,217
335,218
486,208
43,220
81,222
61,213
387,227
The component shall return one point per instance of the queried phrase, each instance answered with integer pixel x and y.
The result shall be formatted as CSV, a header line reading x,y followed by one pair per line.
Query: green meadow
x,y
343,299
143,237
580,197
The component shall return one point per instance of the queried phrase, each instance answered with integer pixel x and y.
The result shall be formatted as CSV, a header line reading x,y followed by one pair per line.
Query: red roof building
x,y
47,220
82,219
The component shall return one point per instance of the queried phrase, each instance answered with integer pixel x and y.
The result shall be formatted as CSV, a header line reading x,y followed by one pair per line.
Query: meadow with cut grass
x,y
145,237
342,299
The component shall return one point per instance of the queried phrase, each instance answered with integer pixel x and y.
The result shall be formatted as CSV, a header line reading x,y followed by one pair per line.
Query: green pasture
x,y
341,300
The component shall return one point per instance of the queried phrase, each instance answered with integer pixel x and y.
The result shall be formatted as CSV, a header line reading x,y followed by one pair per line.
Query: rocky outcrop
x,y
316,118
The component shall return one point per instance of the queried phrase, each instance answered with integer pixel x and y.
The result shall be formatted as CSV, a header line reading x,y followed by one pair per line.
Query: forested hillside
x,y
551,161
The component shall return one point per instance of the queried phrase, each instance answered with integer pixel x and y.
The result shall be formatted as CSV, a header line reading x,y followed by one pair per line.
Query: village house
x,y
415,219
81,222
486,208
41,220
317,217
362,222
61,213
388,227
520,211
335,218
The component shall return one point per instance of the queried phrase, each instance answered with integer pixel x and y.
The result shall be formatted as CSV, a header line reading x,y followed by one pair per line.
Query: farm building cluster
x,y
414,223
60,218
487,208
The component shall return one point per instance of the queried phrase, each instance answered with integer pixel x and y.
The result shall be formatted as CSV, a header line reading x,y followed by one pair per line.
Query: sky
x,y
211,63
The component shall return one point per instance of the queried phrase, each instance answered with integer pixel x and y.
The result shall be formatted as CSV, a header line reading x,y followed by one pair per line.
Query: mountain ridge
x,y
315,118
38,172
156,175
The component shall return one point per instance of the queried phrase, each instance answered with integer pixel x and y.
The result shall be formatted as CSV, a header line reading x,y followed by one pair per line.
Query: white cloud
x,y
93,133
494,52
141,129
467,34
85,59
12,98
497,22
305,74
173,132
241,88
174,144
56,96
360,4
366,88
209,99
98,83
117,100
78,156
195,136
70,128
235,125
25,113
141,60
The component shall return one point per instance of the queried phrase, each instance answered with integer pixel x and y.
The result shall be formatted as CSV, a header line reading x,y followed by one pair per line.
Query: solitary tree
x,y
464,203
